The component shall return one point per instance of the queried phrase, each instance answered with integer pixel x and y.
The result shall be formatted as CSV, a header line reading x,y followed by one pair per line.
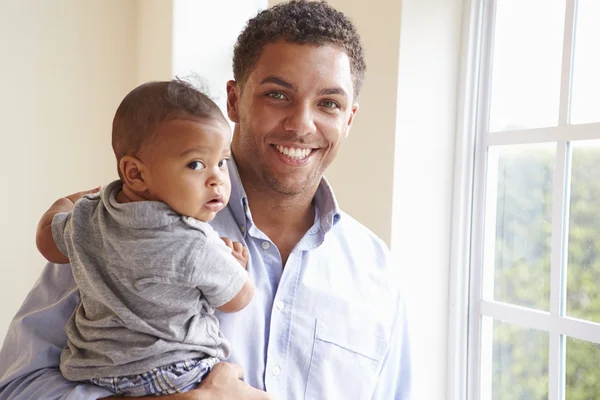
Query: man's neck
x,y
285,219
282,211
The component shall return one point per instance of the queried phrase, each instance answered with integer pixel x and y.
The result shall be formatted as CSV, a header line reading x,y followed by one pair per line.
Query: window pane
x,y
586,64
583,374
583,263
519,209
526,66
519,363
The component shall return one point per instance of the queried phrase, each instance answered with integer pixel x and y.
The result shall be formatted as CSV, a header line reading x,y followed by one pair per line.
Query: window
x,y
534,261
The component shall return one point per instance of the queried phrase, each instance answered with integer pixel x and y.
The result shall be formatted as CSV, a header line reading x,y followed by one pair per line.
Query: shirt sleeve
x,y
30,355
395,377
60,224
217,274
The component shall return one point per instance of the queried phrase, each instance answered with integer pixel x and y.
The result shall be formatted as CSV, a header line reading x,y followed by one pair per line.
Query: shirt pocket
x,y
345,361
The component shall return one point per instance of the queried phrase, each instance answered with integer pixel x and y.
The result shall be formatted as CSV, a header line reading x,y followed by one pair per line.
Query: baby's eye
x,y
223,163
196,165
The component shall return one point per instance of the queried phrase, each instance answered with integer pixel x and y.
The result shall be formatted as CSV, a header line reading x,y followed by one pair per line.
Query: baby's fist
x,y
238,250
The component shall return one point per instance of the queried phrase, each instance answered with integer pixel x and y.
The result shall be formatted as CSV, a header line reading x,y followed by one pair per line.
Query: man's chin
x,y
291,187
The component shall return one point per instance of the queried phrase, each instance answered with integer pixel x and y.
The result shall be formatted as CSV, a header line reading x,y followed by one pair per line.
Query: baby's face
x,y
186,166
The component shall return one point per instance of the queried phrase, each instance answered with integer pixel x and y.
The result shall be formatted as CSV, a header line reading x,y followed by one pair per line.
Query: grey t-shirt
x,y
150,280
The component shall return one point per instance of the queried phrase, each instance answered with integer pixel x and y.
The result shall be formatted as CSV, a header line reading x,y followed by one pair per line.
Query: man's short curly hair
x,y
304,22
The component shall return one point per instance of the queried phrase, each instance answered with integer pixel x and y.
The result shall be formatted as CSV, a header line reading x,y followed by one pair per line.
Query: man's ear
x,y
351,119
233,98
132,173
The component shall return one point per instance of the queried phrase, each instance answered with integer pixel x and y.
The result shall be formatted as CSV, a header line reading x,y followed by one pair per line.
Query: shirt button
x,y
276,370
279,305
243,228
266,245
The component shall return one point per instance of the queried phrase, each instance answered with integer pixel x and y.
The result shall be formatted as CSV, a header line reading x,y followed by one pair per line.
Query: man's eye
x,y
223,163
330,104
196,165
276,95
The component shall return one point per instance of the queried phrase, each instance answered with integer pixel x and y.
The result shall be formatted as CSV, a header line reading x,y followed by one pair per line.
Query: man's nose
x,y
300,119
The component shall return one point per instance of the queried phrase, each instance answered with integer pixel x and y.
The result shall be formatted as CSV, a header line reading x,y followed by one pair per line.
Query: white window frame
x,y
466,304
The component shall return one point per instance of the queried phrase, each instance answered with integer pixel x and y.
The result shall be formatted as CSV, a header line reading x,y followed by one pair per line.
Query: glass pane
x,y
519,363
519,225
585,95
583,374
583,262
526,66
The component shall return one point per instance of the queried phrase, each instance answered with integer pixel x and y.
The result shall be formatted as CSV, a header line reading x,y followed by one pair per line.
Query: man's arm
x,y
395,377
30,355
44,239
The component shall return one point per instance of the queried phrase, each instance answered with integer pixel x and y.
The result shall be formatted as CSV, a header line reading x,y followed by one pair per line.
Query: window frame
x,y
467,306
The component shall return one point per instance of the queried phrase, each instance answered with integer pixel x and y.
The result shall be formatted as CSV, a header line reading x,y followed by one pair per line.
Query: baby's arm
x,y
43,238
220,274
241,300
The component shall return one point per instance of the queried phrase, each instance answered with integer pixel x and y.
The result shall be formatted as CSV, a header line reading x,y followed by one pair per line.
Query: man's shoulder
x,y
351,229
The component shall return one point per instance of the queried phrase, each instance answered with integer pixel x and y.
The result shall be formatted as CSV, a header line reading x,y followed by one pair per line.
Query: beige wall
x,y
154,40
395,170
362,174
65,66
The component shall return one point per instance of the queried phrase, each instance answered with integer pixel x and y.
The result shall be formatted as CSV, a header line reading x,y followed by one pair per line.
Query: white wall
x,y
65,66
430,50
203,37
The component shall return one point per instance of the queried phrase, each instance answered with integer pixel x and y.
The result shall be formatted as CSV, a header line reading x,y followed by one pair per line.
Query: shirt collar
x,y
138,214
327,212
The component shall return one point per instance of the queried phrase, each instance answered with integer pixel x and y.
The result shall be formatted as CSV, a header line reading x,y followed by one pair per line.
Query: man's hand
x,y
43,237
222,383
76,196
238,250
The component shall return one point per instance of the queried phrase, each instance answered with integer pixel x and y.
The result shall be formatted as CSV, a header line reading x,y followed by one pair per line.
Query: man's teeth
x,y
292,152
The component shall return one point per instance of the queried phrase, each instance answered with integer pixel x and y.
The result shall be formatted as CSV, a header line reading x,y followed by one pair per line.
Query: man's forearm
x,y
44,240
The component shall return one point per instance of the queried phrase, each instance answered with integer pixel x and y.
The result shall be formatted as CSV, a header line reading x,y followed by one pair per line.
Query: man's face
x,y
291,116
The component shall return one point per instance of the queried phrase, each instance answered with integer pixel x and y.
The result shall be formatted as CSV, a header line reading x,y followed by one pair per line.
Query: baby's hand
x,y
238,250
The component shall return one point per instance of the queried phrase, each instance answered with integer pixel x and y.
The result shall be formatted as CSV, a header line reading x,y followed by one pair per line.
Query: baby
x,y
149,267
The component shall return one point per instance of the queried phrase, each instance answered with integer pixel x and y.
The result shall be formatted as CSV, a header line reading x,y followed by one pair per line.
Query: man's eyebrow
x,y
323,92
278,81
333,91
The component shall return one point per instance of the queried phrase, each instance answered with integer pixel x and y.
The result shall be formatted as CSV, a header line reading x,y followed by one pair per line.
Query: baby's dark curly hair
x,y
299,21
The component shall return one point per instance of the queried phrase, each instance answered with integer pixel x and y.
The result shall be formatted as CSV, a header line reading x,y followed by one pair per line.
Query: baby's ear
x,y
132,173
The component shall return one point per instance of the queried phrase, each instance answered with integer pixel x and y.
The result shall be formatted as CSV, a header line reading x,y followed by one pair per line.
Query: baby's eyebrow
x,y
196,149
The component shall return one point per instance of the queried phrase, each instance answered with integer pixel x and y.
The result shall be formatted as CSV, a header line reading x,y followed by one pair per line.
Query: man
x,y
327,320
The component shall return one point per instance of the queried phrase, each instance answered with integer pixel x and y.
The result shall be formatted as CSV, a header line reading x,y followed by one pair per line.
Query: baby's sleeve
x,y
61,225
217,274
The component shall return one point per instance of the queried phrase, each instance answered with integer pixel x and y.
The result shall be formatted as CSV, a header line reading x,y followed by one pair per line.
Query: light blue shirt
x,y
330,325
